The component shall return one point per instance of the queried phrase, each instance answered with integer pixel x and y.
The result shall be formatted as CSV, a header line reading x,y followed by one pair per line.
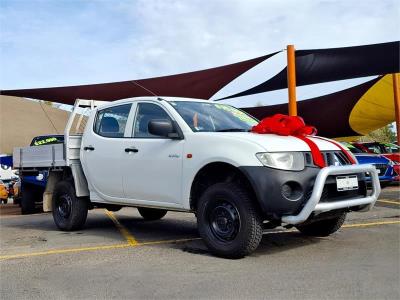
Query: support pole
x,y
291,79
396,93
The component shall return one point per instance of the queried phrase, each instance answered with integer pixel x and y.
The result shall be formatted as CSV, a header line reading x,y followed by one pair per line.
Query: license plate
x,y
347,183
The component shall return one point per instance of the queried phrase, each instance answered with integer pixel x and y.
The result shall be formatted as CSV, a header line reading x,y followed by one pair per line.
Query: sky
x,y
57,43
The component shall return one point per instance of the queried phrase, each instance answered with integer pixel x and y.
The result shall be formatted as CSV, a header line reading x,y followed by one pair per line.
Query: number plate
x,y
347,183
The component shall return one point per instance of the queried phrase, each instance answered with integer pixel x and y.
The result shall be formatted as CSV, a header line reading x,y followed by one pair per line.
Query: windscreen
x,y
213,117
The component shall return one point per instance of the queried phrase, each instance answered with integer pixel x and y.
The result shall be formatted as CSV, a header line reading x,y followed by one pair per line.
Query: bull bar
x,y
313,204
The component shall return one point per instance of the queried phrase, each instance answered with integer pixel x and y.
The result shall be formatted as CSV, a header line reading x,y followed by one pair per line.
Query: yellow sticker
x,y
237,113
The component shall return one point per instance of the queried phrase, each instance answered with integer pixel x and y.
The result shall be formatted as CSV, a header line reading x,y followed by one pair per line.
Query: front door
x,y
102,152
153,172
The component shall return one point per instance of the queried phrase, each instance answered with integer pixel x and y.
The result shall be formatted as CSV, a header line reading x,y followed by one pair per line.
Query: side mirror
x,y
163,128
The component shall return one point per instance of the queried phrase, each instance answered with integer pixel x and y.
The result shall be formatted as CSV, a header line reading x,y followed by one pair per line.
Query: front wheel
x,y
323,227
69,211
151,214
228,221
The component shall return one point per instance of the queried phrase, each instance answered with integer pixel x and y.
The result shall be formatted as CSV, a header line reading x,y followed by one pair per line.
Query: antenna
x,y
141,86
45,113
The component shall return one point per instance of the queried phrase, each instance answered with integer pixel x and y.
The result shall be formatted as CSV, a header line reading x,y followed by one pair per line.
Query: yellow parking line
x,y
168,241
61,251
94,248
343,226
125,232
137,244
387,201
370,224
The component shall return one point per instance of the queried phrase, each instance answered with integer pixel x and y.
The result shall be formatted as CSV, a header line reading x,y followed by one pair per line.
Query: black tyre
x,y
323,227
113,208
28,198
151,214
228,221
384,184
69,211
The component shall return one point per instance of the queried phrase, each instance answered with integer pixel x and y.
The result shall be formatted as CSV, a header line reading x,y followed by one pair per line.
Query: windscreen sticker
x,y
237,113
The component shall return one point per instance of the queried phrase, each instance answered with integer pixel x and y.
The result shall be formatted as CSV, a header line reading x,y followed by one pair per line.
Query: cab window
x,y
111,122
145,113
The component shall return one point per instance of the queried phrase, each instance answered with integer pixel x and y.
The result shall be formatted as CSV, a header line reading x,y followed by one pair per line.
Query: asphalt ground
x,y
121,256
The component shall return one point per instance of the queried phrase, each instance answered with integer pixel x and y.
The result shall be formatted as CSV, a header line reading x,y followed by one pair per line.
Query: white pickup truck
x,y
189,155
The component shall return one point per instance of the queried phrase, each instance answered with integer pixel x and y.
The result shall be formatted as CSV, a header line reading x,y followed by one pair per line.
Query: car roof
x,y
161,98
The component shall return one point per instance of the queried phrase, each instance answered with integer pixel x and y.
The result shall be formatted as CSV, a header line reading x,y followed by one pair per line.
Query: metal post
x,y
396,94
291,79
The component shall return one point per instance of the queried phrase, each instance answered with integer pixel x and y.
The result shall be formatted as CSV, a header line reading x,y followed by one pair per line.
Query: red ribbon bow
x,y
295,126
284,125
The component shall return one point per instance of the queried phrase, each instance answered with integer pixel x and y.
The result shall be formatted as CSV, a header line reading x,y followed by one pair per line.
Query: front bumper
x,y
318,191
314,205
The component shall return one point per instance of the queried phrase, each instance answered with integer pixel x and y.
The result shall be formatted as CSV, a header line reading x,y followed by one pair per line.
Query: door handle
x,y
88,148
132,149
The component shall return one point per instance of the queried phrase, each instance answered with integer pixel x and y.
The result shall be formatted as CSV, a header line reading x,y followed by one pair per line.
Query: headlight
x,y
282,160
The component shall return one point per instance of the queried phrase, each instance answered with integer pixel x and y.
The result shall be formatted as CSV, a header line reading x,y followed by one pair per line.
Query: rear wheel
x,y
228,221
29,194
323,227
69,211
151,214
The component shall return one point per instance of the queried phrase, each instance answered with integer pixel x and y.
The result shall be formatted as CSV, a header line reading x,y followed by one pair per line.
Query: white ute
x,y
189,155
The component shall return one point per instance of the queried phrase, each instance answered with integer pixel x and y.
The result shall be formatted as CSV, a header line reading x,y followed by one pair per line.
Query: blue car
x,y
381,163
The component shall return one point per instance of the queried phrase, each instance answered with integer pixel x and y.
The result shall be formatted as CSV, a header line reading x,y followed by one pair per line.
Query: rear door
x,y
102,152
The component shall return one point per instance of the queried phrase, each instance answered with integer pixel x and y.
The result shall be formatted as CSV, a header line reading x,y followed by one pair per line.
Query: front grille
x,y
331,194
332,158
382,168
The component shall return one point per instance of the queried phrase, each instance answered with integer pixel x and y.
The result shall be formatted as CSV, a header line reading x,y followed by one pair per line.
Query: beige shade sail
x,y
22,119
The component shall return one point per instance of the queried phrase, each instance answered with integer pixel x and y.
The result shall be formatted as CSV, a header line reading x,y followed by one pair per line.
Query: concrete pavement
x,y
168,261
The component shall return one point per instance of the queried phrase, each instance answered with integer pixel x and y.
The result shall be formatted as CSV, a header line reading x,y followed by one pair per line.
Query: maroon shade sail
x,y
323,65
329,114
199,84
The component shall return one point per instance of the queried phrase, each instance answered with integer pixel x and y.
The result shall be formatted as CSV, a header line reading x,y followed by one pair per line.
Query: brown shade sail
x,y
199,84
323,65
330,114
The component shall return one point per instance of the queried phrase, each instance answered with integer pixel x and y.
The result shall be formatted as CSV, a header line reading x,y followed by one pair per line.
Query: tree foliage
x,y
385,134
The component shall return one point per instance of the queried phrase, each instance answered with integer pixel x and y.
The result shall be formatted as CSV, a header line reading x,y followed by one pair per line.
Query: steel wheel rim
x,y
224,220
64,206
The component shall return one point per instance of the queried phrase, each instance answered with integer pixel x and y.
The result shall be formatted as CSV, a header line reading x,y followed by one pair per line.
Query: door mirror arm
x,y
177,134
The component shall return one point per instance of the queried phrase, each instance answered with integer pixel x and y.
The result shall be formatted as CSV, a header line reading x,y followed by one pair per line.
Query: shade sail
x,y
375,108
323,65
330,114
199,84
22,119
